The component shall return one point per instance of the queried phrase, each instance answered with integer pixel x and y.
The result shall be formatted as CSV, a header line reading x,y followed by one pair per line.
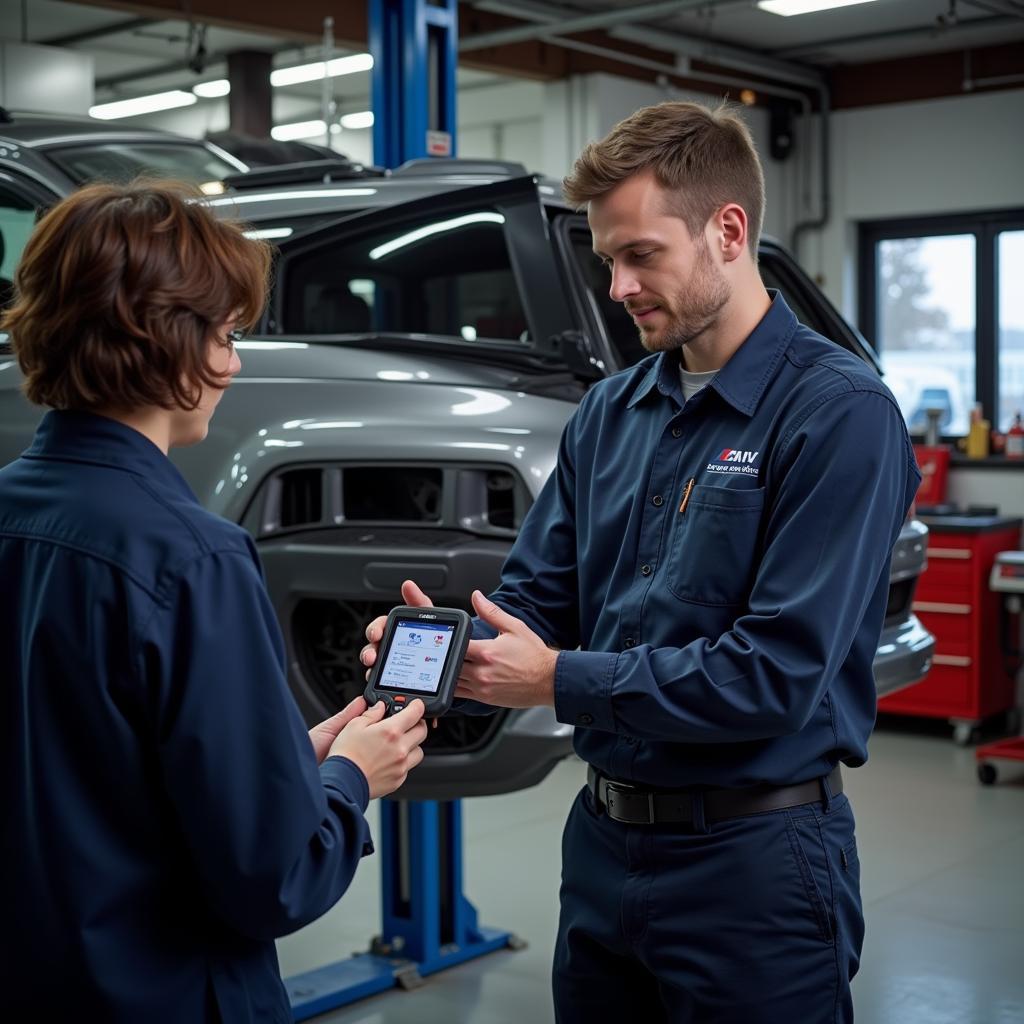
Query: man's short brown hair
x,y
121,289
705,158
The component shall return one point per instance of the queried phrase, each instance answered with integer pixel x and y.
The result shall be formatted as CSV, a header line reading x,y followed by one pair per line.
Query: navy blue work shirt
x,y
164,817
722,565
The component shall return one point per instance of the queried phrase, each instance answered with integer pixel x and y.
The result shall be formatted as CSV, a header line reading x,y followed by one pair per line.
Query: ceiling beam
x,y
301,20
928,76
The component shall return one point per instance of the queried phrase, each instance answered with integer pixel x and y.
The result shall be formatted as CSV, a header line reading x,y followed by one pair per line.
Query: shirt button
x,y
657,501
645,570
586,719
677,432
629,642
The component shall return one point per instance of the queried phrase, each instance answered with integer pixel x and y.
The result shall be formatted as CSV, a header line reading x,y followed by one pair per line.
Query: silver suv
x,y
429,334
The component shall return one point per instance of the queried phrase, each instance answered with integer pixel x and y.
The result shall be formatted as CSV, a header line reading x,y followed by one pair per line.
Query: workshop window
x,y
937,301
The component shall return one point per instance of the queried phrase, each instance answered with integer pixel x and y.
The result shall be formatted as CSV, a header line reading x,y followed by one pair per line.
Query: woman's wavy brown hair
x,y
120,291
703,157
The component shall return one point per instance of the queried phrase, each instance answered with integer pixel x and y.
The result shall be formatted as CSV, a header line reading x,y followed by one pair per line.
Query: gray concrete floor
x,y
942,860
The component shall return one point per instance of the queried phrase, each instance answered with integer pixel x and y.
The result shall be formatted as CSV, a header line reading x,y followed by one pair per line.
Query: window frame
x,y
985,226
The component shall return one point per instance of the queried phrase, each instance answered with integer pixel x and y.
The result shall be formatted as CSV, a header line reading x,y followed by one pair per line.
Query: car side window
x,y
17,219
447,276
622,332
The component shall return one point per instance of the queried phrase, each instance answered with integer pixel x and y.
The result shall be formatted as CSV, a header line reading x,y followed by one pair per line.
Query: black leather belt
x,y
622,801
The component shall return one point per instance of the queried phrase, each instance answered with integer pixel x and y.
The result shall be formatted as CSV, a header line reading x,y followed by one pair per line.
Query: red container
x,y
933,461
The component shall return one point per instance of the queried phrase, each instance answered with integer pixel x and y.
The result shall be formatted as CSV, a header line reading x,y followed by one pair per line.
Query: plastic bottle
x,y
1015,439
977,435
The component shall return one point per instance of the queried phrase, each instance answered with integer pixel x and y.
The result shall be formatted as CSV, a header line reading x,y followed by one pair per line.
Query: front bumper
x,y
904,655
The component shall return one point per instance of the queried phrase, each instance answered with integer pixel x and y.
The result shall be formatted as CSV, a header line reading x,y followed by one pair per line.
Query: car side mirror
x,y
571,348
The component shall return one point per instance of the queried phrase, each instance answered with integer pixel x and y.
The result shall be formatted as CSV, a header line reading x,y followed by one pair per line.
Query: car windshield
x,y
122,161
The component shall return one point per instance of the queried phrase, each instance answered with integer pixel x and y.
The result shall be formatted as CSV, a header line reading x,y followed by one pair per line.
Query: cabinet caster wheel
x,y
987,774
964,734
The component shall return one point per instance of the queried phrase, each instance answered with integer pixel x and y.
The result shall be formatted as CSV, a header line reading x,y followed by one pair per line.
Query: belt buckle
x,y
616,788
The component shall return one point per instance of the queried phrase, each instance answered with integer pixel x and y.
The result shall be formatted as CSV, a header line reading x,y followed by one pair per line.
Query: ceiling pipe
x,y
825,211
213,59
931,29
127,25
587,22
714,52
622,57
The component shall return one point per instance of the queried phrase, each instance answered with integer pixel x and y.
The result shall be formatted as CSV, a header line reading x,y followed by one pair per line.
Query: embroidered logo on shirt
x,y
735,460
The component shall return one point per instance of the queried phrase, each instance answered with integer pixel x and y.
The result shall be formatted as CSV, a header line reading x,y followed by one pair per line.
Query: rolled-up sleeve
x,y
275,839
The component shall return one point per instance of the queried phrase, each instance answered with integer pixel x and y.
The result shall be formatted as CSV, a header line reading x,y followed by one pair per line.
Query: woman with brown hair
x,y
166,815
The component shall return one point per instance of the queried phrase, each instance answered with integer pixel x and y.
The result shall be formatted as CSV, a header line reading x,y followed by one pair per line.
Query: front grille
x,y
397,494
328,635
501,499
300,497
481,500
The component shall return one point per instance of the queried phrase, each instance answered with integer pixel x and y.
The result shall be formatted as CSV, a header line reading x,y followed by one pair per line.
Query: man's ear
x,y
729,226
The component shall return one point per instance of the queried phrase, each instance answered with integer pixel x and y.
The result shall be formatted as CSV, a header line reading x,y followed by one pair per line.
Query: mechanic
x,y
164,815
700,589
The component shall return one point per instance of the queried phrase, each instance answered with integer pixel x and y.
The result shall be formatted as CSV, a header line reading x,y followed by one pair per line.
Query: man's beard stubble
x,y
695,307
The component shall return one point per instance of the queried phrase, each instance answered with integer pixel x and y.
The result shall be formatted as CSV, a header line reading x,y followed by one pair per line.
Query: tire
x,y
987,774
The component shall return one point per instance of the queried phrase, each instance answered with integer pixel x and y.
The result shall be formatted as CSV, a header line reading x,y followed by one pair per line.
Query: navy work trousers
x,y
752,920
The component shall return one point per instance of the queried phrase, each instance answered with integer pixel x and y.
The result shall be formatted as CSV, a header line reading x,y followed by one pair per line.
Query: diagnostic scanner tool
x,y
420,655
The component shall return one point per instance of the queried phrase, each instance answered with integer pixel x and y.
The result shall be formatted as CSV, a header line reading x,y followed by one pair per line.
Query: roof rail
x,y
304,171
433,166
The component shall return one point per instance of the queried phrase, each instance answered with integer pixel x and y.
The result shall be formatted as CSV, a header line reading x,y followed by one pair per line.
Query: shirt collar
x,y
86,437
743,379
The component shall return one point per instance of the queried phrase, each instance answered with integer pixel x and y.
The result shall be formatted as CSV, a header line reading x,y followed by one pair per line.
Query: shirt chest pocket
x,y
713,544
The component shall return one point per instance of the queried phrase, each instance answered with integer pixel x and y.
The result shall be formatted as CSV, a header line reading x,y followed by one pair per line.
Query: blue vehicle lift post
x,y
427,924
415,52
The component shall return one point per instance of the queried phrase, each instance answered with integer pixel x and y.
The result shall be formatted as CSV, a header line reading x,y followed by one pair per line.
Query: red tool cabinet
x,y
968,680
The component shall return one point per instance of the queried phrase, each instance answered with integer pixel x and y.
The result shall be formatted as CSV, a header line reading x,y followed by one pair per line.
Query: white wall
x,y
954,155
195,121
45,78
583,108
502,122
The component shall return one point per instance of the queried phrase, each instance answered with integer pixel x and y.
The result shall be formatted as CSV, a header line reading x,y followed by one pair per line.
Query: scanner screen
x,y
417,656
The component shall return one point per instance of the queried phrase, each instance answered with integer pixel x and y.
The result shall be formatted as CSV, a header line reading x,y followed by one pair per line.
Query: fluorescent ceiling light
x,y
364,119
789,7
142,105
315,71
211,90
434,229
298,130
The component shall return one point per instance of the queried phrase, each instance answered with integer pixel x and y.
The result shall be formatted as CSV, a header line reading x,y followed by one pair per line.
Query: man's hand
x,y
514,670
384,749
324,734
414,598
